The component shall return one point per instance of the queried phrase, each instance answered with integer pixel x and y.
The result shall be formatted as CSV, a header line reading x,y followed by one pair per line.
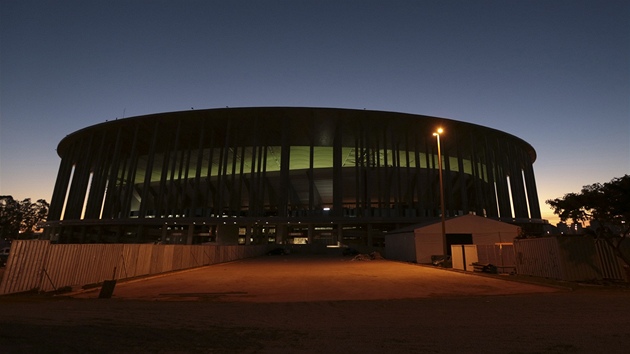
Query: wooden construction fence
x,y
36,265
577,258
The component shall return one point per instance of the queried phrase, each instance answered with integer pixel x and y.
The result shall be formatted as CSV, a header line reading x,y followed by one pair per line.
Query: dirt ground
x,y
297,304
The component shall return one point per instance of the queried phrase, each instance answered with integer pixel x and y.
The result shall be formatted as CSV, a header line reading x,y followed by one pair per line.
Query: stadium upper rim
x,y
128,120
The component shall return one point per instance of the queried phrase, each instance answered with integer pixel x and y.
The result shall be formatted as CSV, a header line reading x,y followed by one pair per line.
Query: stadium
x,y
282,175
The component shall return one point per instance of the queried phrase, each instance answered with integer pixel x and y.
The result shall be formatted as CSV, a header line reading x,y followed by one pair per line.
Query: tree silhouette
x,y
607,208
19,219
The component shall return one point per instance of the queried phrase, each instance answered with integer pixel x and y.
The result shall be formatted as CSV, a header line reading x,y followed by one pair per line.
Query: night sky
x,y
554,73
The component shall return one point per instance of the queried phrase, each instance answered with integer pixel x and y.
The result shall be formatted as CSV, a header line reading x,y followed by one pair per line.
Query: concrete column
x,y
146,184
139,233
60,190
164,233
227,234
339,234
281,234
532,193
311,233
108,210
248,234
191,231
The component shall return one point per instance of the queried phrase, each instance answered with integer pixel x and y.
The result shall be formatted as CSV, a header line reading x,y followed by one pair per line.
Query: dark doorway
x,y
457,239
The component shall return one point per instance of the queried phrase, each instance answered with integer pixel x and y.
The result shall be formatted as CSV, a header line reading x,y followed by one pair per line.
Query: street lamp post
x,y
439,151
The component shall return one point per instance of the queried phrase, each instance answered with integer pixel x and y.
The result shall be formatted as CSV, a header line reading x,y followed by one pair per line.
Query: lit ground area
x,y
298,278
292,304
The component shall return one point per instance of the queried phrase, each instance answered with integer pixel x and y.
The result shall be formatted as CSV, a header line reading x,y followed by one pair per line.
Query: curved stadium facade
x,y
282,175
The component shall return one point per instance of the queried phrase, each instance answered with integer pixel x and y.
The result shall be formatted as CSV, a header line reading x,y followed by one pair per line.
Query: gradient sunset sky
x,y
554,73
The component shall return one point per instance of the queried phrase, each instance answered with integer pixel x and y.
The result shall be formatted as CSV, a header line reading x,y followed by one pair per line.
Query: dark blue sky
x,y
554,73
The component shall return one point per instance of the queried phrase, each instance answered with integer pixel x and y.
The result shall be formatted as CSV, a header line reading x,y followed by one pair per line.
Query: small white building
x,y
418,243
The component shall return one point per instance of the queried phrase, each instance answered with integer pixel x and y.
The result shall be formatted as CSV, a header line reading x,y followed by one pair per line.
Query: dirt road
x,y
304,305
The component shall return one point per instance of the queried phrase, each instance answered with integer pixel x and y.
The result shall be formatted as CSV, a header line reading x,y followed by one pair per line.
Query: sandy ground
x,y
297,304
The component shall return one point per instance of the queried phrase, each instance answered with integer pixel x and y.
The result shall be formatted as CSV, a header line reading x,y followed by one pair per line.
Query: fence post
x,y
50,280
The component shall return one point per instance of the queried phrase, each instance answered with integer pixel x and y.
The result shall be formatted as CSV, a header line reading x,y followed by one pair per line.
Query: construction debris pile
x,y
367,257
